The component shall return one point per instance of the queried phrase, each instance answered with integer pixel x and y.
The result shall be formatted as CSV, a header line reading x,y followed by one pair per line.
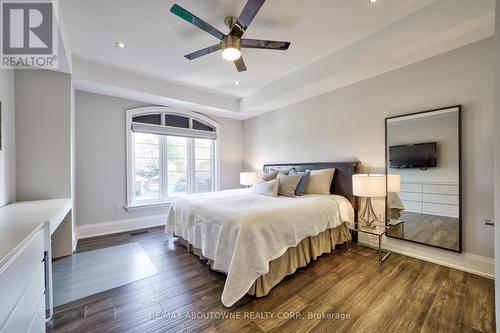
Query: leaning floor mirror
x,y
423,166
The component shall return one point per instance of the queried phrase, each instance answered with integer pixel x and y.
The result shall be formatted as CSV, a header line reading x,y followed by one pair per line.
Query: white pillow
x,y
320,181
269,188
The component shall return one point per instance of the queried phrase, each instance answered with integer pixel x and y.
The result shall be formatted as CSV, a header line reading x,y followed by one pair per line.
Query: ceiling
x,y
333,43
157,40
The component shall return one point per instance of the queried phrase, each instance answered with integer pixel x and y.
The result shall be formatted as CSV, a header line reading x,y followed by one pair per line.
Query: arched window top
x,y
162,116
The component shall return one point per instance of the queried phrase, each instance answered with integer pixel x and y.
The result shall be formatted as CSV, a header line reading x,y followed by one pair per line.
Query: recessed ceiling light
x,y
120,45
237,83
372,1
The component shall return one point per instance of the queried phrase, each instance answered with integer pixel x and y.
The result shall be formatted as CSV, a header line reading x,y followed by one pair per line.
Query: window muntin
x,y
162,166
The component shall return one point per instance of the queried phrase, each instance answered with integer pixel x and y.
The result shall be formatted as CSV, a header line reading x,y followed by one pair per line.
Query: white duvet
x,y
242,231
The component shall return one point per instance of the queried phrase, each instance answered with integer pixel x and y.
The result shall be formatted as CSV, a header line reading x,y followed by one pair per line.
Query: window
x,y
203,180
169,153
147,167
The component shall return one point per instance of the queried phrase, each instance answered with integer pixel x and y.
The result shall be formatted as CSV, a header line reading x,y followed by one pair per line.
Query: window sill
x,y
146,207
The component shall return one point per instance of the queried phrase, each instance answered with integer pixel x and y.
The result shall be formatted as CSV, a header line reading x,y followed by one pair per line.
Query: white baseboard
x,y
113,227
467,262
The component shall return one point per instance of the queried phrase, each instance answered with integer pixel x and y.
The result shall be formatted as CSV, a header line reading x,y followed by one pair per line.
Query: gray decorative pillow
x,y
288,184
301,187
269,188
264,177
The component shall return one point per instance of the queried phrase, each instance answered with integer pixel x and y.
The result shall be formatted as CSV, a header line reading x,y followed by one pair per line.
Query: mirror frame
x,y
460,208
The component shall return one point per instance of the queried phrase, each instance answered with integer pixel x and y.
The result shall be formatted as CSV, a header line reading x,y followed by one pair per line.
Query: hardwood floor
x,y
336,293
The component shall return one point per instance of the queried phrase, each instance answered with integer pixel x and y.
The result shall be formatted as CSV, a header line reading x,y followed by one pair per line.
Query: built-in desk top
x,y
21,220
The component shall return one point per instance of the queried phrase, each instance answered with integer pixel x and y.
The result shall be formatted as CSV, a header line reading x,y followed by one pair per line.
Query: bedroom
x,y
126,136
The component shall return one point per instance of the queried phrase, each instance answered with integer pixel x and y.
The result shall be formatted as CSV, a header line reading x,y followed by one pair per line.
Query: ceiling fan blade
x,y
251,9
202,52
264,44
193,19
240,64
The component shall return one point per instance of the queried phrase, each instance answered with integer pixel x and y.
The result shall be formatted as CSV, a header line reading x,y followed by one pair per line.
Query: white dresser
x,y
440,199
28,233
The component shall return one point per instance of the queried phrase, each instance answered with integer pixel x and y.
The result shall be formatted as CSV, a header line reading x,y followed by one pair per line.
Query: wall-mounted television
x,y
418,155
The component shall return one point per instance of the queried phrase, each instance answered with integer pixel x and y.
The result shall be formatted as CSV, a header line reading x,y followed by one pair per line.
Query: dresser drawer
x,y
19,274
441,199
410,196
27,307
440,209
441,189
405,187
38,324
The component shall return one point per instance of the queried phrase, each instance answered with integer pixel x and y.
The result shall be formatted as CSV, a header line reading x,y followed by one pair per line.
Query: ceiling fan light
x,y
231,46
231,54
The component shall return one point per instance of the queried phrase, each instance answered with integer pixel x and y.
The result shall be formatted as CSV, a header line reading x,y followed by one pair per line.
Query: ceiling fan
x,y
232,43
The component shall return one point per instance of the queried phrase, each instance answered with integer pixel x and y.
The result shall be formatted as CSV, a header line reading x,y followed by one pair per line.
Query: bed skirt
x,y
308,249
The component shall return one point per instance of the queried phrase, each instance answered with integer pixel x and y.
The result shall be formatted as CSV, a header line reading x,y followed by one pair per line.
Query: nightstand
x,y
378,231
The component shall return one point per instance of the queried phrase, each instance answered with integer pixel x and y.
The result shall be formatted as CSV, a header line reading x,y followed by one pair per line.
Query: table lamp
x,y
393,183
247,178
369,186
394,203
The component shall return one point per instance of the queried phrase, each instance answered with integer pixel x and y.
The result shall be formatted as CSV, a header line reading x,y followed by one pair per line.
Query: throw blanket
x,y
241,232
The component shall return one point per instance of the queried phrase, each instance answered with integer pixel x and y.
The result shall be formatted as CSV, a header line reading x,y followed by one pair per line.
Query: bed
x,y
258,240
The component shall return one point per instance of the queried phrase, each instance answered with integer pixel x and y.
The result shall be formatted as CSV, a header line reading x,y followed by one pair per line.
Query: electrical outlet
x,y
119,207
489,222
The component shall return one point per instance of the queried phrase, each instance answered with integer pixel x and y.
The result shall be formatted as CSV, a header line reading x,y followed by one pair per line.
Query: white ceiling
x,y
157,40
334,43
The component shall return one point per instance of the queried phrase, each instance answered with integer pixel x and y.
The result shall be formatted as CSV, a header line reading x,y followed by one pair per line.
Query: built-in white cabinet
x,y
22,282
431,198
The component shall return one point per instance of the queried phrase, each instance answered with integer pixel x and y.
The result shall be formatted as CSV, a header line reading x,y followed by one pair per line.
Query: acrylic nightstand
x,y
378,231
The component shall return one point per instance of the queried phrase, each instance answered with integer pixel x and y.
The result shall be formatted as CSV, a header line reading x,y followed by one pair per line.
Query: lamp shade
x,y
369,185
393,183
247,178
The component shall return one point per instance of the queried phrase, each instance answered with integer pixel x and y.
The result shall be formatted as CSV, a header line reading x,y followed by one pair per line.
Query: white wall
x,y
43,134
230,143
8,153
348,124
101,158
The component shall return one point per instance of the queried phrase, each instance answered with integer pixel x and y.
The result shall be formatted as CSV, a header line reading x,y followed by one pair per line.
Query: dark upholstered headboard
x,y
342,180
